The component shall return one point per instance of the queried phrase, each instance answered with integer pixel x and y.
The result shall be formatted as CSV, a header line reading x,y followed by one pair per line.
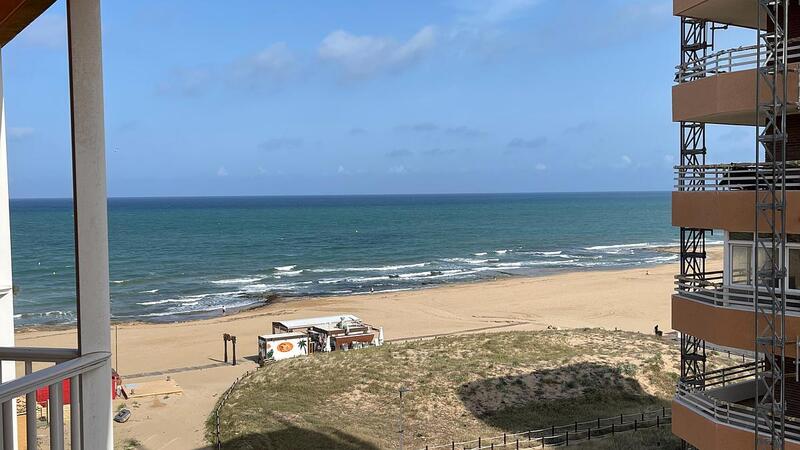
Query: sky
x,y
363,97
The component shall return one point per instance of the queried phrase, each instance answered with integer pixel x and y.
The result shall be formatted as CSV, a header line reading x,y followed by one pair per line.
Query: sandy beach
x,y
191,352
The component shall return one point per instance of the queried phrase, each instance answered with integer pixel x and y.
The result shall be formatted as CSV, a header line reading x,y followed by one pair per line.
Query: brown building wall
x,y
723,326
727,210
706,434
727,98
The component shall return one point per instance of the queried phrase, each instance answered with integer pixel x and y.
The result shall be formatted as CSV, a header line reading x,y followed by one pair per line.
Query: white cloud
x,y
397,170
541,167
222,171
188,81
626,160
365,56
18,133
342,171
274,63
491,11
48,31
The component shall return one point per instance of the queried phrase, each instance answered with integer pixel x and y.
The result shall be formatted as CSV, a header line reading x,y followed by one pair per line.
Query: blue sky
x,y
362,96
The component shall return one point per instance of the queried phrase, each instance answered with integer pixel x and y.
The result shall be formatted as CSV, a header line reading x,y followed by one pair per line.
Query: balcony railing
x,y
68,366
711,404
730,177
709,288
730,60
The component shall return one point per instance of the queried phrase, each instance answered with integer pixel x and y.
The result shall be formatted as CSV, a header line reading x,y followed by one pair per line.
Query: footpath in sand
x,y
191,352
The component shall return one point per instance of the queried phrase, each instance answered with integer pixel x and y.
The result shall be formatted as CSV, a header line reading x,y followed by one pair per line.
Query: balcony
x,y
721,196
722,416
741,13
706,307
721,87
69,365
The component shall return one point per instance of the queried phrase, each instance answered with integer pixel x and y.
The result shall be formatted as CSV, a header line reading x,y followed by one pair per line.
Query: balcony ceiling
x,y
15,15
734,12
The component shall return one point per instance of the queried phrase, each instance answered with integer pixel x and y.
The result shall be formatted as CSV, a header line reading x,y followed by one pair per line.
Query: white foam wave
x,y
501,252
640,245
284,268
151,291
480,254
119,281
289,273
236,281
370,269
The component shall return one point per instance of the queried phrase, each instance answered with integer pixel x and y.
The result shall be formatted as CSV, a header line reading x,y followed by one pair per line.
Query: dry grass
x,y
462,387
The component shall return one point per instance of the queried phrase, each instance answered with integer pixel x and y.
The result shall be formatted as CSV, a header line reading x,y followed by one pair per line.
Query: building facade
x,y
749,297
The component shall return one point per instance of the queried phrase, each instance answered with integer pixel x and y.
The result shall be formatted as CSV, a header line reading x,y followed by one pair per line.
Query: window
x,y
794,268
764,263
741,264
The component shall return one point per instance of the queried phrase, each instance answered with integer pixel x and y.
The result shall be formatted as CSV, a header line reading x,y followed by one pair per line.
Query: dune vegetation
x,y
460,387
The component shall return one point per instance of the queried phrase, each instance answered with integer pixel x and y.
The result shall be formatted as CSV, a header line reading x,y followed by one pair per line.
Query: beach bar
x,y
87,367
275,347
329,333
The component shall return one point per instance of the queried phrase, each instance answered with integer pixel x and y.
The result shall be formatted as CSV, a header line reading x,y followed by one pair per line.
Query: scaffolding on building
x,y
770,223
694,47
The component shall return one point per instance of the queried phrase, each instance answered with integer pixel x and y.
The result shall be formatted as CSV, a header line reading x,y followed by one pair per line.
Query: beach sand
x,y
191,352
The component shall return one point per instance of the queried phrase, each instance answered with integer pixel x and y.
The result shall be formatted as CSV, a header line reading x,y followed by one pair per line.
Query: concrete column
x,y
6,295
91,222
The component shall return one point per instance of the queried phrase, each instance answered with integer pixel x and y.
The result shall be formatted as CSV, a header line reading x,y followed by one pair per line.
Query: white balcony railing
x,y
730,60
731,177
710,289
68,366
710,400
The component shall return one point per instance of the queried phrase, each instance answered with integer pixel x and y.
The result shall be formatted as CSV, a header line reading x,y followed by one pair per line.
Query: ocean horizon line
x,y
429,194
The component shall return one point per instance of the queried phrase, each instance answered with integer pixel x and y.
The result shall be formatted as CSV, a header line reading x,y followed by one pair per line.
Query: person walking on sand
x,y
223,310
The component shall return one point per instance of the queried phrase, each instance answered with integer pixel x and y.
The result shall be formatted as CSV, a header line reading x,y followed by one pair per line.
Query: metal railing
x,y
730,60
729,177
729,412
709,288
69,365
565,435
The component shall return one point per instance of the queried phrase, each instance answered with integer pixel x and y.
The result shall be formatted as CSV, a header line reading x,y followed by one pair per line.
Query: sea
x,y
174,259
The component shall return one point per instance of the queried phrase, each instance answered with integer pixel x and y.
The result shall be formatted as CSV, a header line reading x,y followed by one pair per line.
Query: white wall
x,y
6,294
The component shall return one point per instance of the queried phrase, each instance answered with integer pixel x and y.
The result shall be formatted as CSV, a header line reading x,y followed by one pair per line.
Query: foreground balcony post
x,y
7,370
91,227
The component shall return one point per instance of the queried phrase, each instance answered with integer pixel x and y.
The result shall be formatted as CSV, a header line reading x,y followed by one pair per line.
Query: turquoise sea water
x,y
181,258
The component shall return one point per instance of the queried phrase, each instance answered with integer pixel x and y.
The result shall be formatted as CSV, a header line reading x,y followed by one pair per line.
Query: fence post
x,y
589,434
612,429
658,421
576,426
454,446
479,442
552,430
620,419
598,422
504,439
517,443
567,438
635,425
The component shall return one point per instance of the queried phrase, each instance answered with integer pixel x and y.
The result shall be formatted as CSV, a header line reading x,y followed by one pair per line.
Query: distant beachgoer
x,y
371,290
223,310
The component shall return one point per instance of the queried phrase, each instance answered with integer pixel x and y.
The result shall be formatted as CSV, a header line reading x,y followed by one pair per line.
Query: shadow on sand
x,y
292,437
576,392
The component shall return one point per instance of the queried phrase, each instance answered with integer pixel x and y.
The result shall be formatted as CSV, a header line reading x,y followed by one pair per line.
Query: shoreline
x,y
190,352
285,299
